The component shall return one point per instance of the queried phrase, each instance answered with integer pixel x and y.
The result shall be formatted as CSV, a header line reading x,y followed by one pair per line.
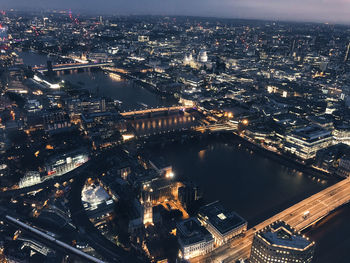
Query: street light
x,y
170,175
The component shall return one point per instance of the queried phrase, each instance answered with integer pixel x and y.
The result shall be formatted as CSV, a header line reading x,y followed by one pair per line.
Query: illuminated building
x,y
92,196
188,59
223,225
202,56
322,121
259,133
45,83
66,163
90,105
279,242
347,53
191,80
33,106
3,170
164,169
29,179
187,101
98,57
147,211
124,172
143,38
96,201
344,166
194,239
160,189
58,121
3,33
306,142
17,87
342,135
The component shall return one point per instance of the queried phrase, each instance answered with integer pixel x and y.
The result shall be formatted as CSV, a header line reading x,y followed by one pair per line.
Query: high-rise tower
x,y
347,53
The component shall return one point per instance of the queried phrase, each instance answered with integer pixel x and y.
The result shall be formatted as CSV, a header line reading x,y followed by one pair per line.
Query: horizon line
x,y
91,12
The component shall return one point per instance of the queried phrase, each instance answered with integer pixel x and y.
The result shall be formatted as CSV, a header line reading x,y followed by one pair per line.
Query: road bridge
x,y
300,216
217,127
72,66
154,110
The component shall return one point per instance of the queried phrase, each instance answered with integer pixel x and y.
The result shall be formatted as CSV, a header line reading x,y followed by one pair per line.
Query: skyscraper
x,y
347,53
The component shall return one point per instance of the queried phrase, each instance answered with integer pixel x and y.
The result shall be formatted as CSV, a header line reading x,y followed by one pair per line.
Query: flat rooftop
x,y
311,133
190,231
221,219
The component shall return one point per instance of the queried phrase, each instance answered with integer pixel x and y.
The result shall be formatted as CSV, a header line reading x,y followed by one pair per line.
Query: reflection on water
x,y
33,59
201,154
254,186
258,188
133,96
332,237
162,124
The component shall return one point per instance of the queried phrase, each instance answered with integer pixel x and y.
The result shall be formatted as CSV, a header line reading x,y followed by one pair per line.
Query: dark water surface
x,y
33,59
246,182
132,96
257,188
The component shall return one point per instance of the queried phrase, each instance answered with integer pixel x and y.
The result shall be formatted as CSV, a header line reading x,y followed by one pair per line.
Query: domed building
x,y
202,56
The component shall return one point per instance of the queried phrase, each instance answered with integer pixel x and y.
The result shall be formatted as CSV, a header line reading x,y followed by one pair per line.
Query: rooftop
x,y
221,219
311,133
281,234
190,231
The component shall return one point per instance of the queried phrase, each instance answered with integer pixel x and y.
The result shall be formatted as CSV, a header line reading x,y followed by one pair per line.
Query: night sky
x,y
297,10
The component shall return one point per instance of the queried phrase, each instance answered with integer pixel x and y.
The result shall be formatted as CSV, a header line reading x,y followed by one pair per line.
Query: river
x,y
257,188
245,182
131,96
32,59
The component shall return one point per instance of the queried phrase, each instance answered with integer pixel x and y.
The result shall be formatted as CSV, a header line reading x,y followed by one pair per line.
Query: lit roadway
x,y
59,67
299,216
218,127
139,112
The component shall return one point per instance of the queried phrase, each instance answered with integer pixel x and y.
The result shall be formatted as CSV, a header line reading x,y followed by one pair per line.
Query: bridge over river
x,y
72,66
154,110
299,216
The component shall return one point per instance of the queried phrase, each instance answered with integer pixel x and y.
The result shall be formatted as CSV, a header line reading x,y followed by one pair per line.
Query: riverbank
x,y
290,162
225,169
145,85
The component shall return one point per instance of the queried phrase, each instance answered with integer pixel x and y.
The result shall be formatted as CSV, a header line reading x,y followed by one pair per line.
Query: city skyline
x,y
189,139
323,11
